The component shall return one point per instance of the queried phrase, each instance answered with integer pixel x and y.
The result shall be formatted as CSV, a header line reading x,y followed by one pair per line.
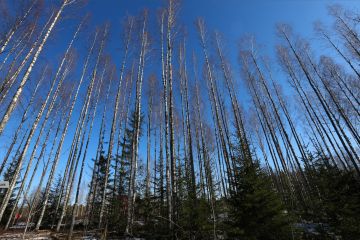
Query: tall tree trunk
x,y
148,174
82,124
20,88
11,75
100,146
135,143
24,151
23,120
75,206
170,26
58,151
166,117
113,125
212,94
32,204
192,187
346,143
15,27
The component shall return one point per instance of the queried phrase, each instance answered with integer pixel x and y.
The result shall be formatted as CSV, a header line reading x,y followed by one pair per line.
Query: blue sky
x,y
233,18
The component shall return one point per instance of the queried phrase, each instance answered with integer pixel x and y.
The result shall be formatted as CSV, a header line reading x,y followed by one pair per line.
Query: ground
x,y
50,235
43,235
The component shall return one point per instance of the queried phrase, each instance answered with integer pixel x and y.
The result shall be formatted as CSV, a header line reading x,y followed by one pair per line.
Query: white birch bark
x,y
57,154
72,172
20,88
75,206
23,120
24,151
112,132
135,144
16,26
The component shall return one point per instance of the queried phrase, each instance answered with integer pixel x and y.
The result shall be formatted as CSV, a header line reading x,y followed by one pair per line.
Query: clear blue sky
x,y
233,18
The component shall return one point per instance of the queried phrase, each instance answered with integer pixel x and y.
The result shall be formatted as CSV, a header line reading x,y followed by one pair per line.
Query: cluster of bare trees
x,y
60,116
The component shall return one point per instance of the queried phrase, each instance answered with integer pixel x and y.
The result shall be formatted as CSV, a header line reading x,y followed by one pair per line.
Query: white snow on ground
x,y
40,236
48,235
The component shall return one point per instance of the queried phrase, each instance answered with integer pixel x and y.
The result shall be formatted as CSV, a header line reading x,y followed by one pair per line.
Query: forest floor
x,y
51,235
43,235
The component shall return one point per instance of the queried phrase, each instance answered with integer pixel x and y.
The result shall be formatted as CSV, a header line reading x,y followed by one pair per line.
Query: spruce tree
x,y
335,207
256,211
8,176
51,215
99,189
118,196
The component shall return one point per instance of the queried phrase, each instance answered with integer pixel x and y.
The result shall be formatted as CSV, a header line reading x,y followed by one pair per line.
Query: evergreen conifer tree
x,y
8,176
256,211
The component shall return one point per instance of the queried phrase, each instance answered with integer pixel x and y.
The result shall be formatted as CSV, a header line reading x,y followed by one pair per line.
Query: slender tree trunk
x,y
212,93
346,143
166,116
42,178
346,59
170,25
11,75
135,143
24,151
19,90
23,120
18,23
148,175
234,102
46,162
93,183
161,161
112,132
21,188
17,49
57,154
191,168
75,206
85,113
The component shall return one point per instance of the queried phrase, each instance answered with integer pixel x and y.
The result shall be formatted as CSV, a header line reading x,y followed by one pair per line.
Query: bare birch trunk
x,y
83,123
57,154
212,93
42,178
169,77
112,132
166,116
192,180
75,206
18,23
24,151
19,90
23,119
93,183
135,143
11,76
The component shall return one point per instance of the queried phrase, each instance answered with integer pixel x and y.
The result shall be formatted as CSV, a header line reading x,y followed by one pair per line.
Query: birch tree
x,y
57,154
18,22
135,144
15,97
116,109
